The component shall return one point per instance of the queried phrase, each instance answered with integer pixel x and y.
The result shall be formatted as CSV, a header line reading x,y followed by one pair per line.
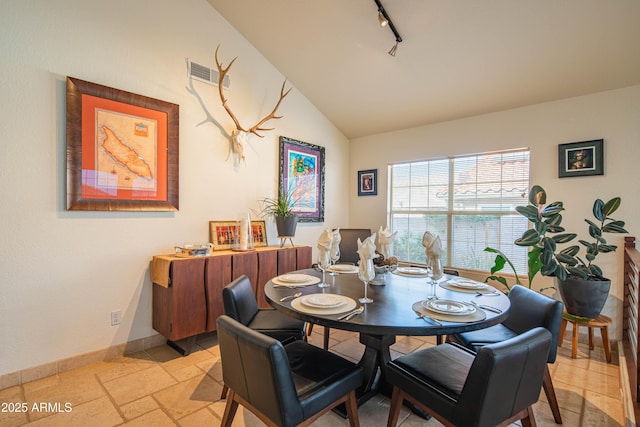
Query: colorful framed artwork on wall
x,y
302,176
122,150
368,182
581,158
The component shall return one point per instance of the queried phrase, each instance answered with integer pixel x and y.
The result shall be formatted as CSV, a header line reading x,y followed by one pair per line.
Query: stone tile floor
x,y
158,387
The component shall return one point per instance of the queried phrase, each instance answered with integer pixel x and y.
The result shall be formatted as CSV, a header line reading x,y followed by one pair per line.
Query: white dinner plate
x,y
445,306
412,270
343,268
322,300
293,278
467,284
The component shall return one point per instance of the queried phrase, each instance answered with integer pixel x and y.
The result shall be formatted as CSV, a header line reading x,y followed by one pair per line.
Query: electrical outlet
x,y
116,317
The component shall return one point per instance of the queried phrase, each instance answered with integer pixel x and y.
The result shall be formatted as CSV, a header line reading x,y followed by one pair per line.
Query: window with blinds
x,y
469,201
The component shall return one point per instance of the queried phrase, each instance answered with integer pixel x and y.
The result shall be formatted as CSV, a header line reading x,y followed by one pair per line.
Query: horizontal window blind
x,y
469,201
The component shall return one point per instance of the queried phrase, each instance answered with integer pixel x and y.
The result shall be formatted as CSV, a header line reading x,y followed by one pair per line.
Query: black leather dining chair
x,y
283,385
458,387
529,309
240,304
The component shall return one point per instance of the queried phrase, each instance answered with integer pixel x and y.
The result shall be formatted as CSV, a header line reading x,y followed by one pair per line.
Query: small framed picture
x,y
259,231
581,158
368,182
222,234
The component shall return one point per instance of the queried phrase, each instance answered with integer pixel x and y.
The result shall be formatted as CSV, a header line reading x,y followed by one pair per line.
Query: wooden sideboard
x,y
188,300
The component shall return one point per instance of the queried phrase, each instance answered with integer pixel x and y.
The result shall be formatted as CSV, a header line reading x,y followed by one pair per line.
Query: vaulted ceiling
x,y
458,58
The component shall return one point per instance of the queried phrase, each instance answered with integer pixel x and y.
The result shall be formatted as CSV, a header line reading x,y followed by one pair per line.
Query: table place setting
x,y
294,280
437,309
323,303
412,271
468,286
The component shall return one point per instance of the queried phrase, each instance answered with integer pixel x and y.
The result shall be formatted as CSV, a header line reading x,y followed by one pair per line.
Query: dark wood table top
x,y
391,312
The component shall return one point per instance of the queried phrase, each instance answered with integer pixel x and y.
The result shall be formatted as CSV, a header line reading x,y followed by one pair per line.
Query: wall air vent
x,y
207,75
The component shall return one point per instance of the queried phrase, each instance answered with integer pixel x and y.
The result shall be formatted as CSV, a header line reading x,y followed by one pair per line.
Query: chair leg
x,y
229,410
225,389
352,409
394,410
309,329
563,328
574,340
604,332
438,339
326,338
550,392
530,419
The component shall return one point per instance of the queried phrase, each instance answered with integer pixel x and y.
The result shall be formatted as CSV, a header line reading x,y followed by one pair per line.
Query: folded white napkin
x,y
385,238
367,252
324,246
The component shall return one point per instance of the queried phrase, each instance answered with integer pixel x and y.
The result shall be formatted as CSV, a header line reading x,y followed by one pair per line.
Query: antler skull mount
x,y
240,135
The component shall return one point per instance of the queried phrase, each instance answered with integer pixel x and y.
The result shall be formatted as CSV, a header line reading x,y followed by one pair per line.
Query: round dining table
x,y
392,312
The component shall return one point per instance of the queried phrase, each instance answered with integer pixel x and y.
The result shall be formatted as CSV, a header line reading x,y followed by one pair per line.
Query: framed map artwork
x,y
122,150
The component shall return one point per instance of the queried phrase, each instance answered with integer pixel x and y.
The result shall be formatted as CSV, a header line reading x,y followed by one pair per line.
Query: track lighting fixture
x,y
384,20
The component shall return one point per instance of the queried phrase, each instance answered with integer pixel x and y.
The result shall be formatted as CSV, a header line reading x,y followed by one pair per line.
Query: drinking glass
x,y
432,282
366,275
335,256
323,263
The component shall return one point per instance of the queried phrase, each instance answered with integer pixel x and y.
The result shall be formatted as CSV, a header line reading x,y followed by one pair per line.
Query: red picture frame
x,y
122,150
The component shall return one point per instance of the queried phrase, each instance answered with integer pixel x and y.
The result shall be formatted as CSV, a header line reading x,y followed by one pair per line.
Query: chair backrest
x,y
239,300
349,243
256,367
505,379
530,309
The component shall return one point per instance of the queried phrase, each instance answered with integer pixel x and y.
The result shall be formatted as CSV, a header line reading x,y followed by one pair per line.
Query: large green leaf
x,y
598,210
499,264
614,227
566,259
564,238
595,270
529,212
611,206
571,250
529,238
552,209
534,264
537,196
578,272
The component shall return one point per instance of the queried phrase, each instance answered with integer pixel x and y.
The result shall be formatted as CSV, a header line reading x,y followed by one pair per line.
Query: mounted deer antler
x,y
240,134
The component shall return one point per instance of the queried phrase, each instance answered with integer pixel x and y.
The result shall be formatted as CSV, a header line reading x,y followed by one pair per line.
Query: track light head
x,y
393,49
381,19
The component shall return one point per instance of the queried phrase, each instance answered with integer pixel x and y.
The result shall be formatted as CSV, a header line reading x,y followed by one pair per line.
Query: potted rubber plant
x,y
282,209
581,283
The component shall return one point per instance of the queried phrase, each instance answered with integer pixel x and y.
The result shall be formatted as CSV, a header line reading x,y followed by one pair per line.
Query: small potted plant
x,y
281,208
581,283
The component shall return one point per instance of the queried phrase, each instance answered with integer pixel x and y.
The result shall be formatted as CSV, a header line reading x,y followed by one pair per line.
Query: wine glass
x,y
323,263
431,281
366,275
335,256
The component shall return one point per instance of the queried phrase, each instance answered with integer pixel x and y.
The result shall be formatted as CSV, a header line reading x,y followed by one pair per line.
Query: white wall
x,y
63,272
613,116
